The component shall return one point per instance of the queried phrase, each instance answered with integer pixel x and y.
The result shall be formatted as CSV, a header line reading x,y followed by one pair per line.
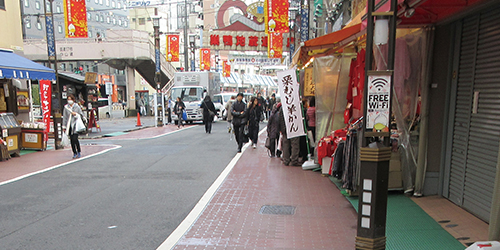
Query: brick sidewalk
x,y
323,218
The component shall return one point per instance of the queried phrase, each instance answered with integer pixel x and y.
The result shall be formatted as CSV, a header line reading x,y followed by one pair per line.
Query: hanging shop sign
x,y
289,91
254,60
75,18
45,101
304,24
172,48
239,40
226,69
275,48
309,86
378,102
204,59
276,16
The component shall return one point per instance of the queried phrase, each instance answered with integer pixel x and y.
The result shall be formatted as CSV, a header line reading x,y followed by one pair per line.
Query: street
x,y
129,198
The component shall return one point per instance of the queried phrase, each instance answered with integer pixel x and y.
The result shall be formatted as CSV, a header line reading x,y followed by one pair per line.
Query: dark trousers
x,y
75,144
291,149
254,133
272,148
238,133
208,126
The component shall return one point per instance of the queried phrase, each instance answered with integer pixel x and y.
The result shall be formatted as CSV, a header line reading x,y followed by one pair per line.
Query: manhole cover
x,y
279,209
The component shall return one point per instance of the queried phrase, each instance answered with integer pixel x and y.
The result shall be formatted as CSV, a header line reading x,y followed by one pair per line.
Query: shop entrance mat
x,y
408,226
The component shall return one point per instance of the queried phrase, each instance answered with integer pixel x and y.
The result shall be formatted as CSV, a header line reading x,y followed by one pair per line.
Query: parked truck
x,y
192,87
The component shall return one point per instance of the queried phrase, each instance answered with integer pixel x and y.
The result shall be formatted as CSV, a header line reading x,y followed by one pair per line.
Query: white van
x,y
220,101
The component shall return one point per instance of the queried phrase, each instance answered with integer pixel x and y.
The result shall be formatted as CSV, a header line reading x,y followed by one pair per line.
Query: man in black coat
x,y
238,110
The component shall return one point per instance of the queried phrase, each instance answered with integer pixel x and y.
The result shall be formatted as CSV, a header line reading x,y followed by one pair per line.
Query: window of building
x,y
119,5
90,33
114,21
142,21
94,68
28,23
107,3
96,1
48,7
89,16
113,4
63,66
149,19
71,67
120,22
97,18
133,20
108,19
27,3
102,18
39,25
125,24
58,9
87,67
59,29
2,4
37,5
100,2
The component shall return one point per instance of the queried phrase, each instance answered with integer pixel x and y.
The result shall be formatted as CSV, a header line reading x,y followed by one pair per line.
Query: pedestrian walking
x,y
179,109
208,113
254,117
262,104
311,117
229,104
273,132
238,110
71,110
142,106
272,102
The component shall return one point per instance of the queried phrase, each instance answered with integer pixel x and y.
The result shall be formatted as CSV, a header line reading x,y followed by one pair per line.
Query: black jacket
x,y
239,118
179,106
273,125
254,116
281,122
271,103
206,106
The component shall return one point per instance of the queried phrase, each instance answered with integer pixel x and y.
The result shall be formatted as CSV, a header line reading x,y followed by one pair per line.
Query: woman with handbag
x,y
71,115
179,109
254,117
208,113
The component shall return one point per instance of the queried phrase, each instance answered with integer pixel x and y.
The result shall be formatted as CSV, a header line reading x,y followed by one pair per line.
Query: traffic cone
x,y
138,120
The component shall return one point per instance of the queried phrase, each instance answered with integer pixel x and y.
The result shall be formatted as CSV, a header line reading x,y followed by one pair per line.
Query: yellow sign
x,y
90,77
309,86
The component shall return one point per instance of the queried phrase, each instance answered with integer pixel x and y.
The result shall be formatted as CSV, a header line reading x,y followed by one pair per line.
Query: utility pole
x,y
156,26
52,60
186,52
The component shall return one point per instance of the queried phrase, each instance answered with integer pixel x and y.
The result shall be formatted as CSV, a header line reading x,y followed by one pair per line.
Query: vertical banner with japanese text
x,y
226,69
172,48
304,24
75,18
204,59
309,86
46,101
292,111
275,45
276,16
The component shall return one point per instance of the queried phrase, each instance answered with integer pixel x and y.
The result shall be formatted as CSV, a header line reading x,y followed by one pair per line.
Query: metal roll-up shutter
x,y
484,129
463,106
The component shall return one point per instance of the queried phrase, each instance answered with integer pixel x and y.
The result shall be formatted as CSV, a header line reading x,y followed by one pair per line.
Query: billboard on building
x,y
75,18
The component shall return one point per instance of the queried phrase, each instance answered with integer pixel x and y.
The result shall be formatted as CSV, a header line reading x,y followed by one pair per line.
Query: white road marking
x,y
198,209
61,165
154,137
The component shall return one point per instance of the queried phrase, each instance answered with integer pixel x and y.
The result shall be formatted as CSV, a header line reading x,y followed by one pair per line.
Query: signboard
x,y
309,86
239,40
304,24
204,59
90,77
254,60
226,69
45,102
172,48
30,138
51,44
109,88
75,19
276,16
275,48
379,102
289,91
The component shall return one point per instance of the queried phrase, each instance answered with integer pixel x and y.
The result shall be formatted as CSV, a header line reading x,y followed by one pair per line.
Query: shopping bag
x,y
311,139
184,116
268,143
65,140
80,126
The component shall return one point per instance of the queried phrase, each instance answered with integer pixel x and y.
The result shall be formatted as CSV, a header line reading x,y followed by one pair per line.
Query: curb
x,y
125,131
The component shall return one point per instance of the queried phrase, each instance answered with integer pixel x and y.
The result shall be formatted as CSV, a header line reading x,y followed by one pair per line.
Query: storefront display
x,y
11,132
33,136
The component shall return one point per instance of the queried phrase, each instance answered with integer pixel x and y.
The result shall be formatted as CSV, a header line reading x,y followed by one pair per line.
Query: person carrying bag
x,y
73,124
208,113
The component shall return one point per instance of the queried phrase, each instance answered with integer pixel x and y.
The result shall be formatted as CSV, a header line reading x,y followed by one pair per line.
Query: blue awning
x,y
18,67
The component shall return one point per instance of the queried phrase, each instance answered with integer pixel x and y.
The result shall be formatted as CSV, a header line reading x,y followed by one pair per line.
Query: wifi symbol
x,y
379,83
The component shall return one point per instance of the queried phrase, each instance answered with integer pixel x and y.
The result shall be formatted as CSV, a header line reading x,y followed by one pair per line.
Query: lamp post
x,y
375,152
156,26
52,60
192,45
186,56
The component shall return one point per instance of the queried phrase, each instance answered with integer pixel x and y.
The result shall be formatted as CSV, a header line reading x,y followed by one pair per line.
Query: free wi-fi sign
x,y
379,101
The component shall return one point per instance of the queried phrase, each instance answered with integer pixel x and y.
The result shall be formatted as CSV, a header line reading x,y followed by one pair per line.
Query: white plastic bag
x,y
65,140
80,126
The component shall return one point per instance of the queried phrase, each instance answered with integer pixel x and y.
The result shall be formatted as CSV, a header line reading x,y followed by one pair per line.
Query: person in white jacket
x,y
71,110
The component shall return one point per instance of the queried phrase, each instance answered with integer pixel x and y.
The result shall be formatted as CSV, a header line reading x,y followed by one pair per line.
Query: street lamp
x,y
192,45
156,26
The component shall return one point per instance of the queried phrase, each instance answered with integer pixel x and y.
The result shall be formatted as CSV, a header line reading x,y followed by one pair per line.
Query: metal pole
x,y
186,55
156,25
52,59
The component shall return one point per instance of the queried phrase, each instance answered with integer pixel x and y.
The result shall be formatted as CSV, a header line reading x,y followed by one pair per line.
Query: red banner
x,y
46,101
204,59
276,16
75,18
172,48
226,69
275,45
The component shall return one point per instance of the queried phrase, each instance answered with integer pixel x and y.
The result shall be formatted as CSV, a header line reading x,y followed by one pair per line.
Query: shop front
x,y
17,116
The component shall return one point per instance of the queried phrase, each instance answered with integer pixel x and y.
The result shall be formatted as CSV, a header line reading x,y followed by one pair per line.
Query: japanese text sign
x,y
378,104
276,16
309,85
292,111
45,101
75,18
172,48
204,59
275,45
240,40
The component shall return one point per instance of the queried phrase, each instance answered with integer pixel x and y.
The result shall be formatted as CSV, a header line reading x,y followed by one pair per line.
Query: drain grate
x,y
278,209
